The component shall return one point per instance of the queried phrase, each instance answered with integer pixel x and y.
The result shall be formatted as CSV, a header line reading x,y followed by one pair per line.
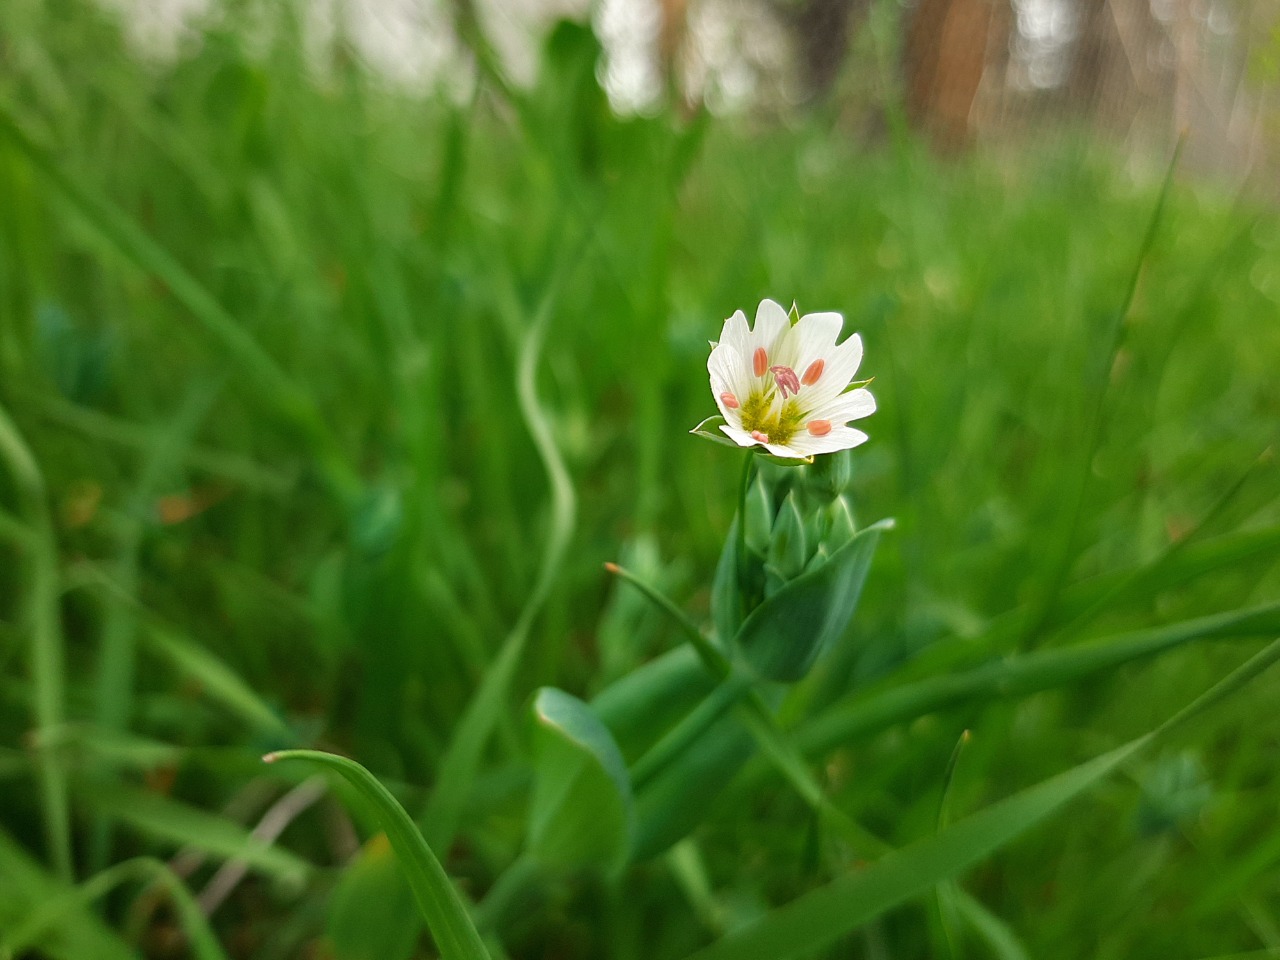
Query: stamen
x,y
819,428
759,437
813,373
760,361
729,400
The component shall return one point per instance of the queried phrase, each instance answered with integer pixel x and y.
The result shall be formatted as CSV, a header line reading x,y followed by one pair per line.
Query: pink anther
x,y
760,361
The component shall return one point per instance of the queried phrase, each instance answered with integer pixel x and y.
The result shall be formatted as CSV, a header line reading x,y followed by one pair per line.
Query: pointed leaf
x,y
582,811
783,636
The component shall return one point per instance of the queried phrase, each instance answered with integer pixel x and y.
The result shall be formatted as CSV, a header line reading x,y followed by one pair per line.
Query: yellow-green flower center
x,y
759,415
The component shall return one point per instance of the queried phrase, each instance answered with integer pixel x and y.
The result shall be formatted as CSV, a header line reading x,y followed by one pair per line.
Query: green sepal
x,y
581,813
820,556
788,544
793,314
709,429
842,525
783,637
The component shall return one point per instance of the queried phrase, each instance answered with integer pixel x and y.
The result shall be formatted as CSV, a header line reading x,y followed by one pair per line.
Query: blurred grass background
x,y
267,475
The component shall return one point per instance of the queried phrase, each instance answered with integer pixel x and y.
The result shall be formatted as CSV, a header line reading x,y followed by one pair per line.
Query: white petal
x,y
736,334
813,338
840,438
787,451
818,333
740,437
853,405
771,323
728,374
841,364
724,367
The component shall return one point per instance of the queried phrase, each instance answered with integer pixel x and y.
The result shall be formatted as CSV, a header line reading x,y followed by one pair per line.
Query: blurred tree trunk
x,y
944,58
674,15
1100,75
1113,69
823,30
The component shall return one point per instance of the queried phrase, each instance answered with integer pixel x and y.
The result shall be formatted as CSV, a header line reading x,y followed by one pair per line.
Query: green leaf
x,y
371,913
783,636
846,903
641,706
582,810
446,915
679,797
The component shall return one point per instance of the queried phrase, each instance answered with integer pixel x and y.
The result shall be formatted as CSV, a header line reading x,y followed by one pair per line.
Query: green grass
x,y
417,369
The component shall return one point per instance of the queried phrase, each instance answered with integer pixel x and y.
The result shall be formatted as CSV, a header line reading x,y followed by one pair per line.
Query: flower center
x,y
760,416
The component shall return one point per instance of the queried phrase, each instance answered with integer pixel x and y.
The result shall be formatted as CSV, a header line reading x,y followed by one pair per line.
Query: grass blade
x,y
445,913
24,885
1020,676
829,912
160,816
276,388
462,758
47,655
1059,564
217,680
55,912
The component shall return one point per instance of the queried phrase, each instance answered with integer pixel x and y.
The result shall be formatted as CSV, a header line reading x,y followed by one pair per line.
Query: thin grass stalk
x,y
48,659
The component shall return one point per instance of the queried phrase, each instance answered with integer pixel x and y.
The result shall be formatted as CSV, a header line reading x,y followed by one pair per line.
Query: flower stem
x,y
680,737
715,661
744,484
512,891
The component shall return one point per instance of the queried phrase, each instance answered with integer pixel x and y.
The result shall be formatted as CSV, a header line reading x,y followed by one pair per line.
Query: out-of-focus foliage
x,y
273,472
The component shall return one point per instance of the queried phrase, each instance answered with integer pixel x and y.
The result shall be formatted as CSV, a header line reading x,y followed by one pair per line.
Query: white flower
x,y
785,387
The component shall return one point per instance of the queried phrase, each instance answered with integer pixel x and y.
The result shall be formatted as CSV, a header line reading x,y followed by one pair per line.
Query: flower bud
x,y
828,476
759,516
